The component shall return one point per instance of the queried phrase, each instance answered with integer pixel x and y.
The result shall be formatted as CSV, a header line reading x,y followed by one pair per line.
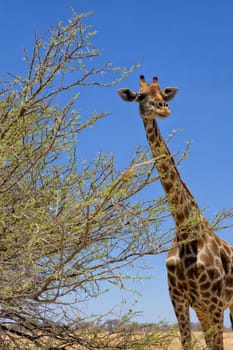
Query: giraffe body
x,y
199,263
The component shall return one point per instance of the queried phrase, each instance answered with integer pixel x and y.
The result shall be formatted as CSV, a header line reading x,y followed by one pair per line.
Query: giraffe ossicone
x,y
199,263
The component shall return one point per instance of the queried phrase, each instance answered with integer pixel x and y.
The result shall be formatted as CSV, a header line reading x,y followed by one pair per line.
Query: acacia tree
x,y
64,228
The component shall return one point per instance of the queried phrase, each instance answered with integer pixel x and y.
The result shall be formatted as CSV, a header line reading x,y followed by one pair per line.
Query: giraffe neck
x,y
183,206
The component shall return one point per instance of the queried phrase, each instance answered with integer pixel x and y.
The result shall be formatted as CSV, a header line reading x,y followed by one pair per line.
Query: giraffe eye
x,y
140,97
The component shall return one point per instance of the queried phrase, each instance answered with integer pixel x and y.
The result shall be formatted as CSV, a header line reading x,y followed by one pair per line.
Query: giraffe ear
x,y
169,93
127,95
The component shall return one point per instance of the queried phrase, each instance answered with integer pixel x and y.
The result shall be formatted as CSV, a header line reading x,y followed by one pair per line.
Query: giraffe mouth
x,y
163,112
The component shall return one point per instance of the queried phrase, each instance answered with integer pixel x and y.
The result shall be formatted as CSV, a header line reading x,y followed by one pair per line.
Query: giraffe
x,y
199,264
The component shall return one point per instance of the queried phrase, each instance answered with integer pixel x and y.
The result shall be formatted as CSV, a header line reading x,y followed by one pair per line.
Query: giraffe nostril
x,y
160,104
165,104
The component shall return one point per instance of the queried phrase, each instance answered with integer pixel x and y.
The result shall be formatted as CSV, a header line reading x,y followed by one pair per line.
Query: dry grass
x,y
198,339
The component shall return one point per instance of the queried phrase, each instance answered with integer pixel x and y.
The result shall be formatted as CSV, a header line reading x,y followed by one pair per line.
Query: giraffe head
x,y
152,100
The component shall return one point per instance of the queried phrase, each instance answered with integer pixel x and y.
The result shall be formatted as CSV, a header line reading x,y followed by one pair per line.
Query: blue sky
x,y
187,44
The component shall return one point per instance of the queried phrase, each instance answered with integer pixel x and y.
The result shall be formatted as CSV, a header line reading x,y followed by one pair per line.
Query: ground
x,y
228,342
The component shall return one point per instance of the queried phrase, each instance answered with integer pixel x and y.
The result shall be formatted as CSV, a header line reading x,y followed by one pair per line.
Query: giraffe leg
x,y
206,321
218,326
212,326
181,308
216,313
